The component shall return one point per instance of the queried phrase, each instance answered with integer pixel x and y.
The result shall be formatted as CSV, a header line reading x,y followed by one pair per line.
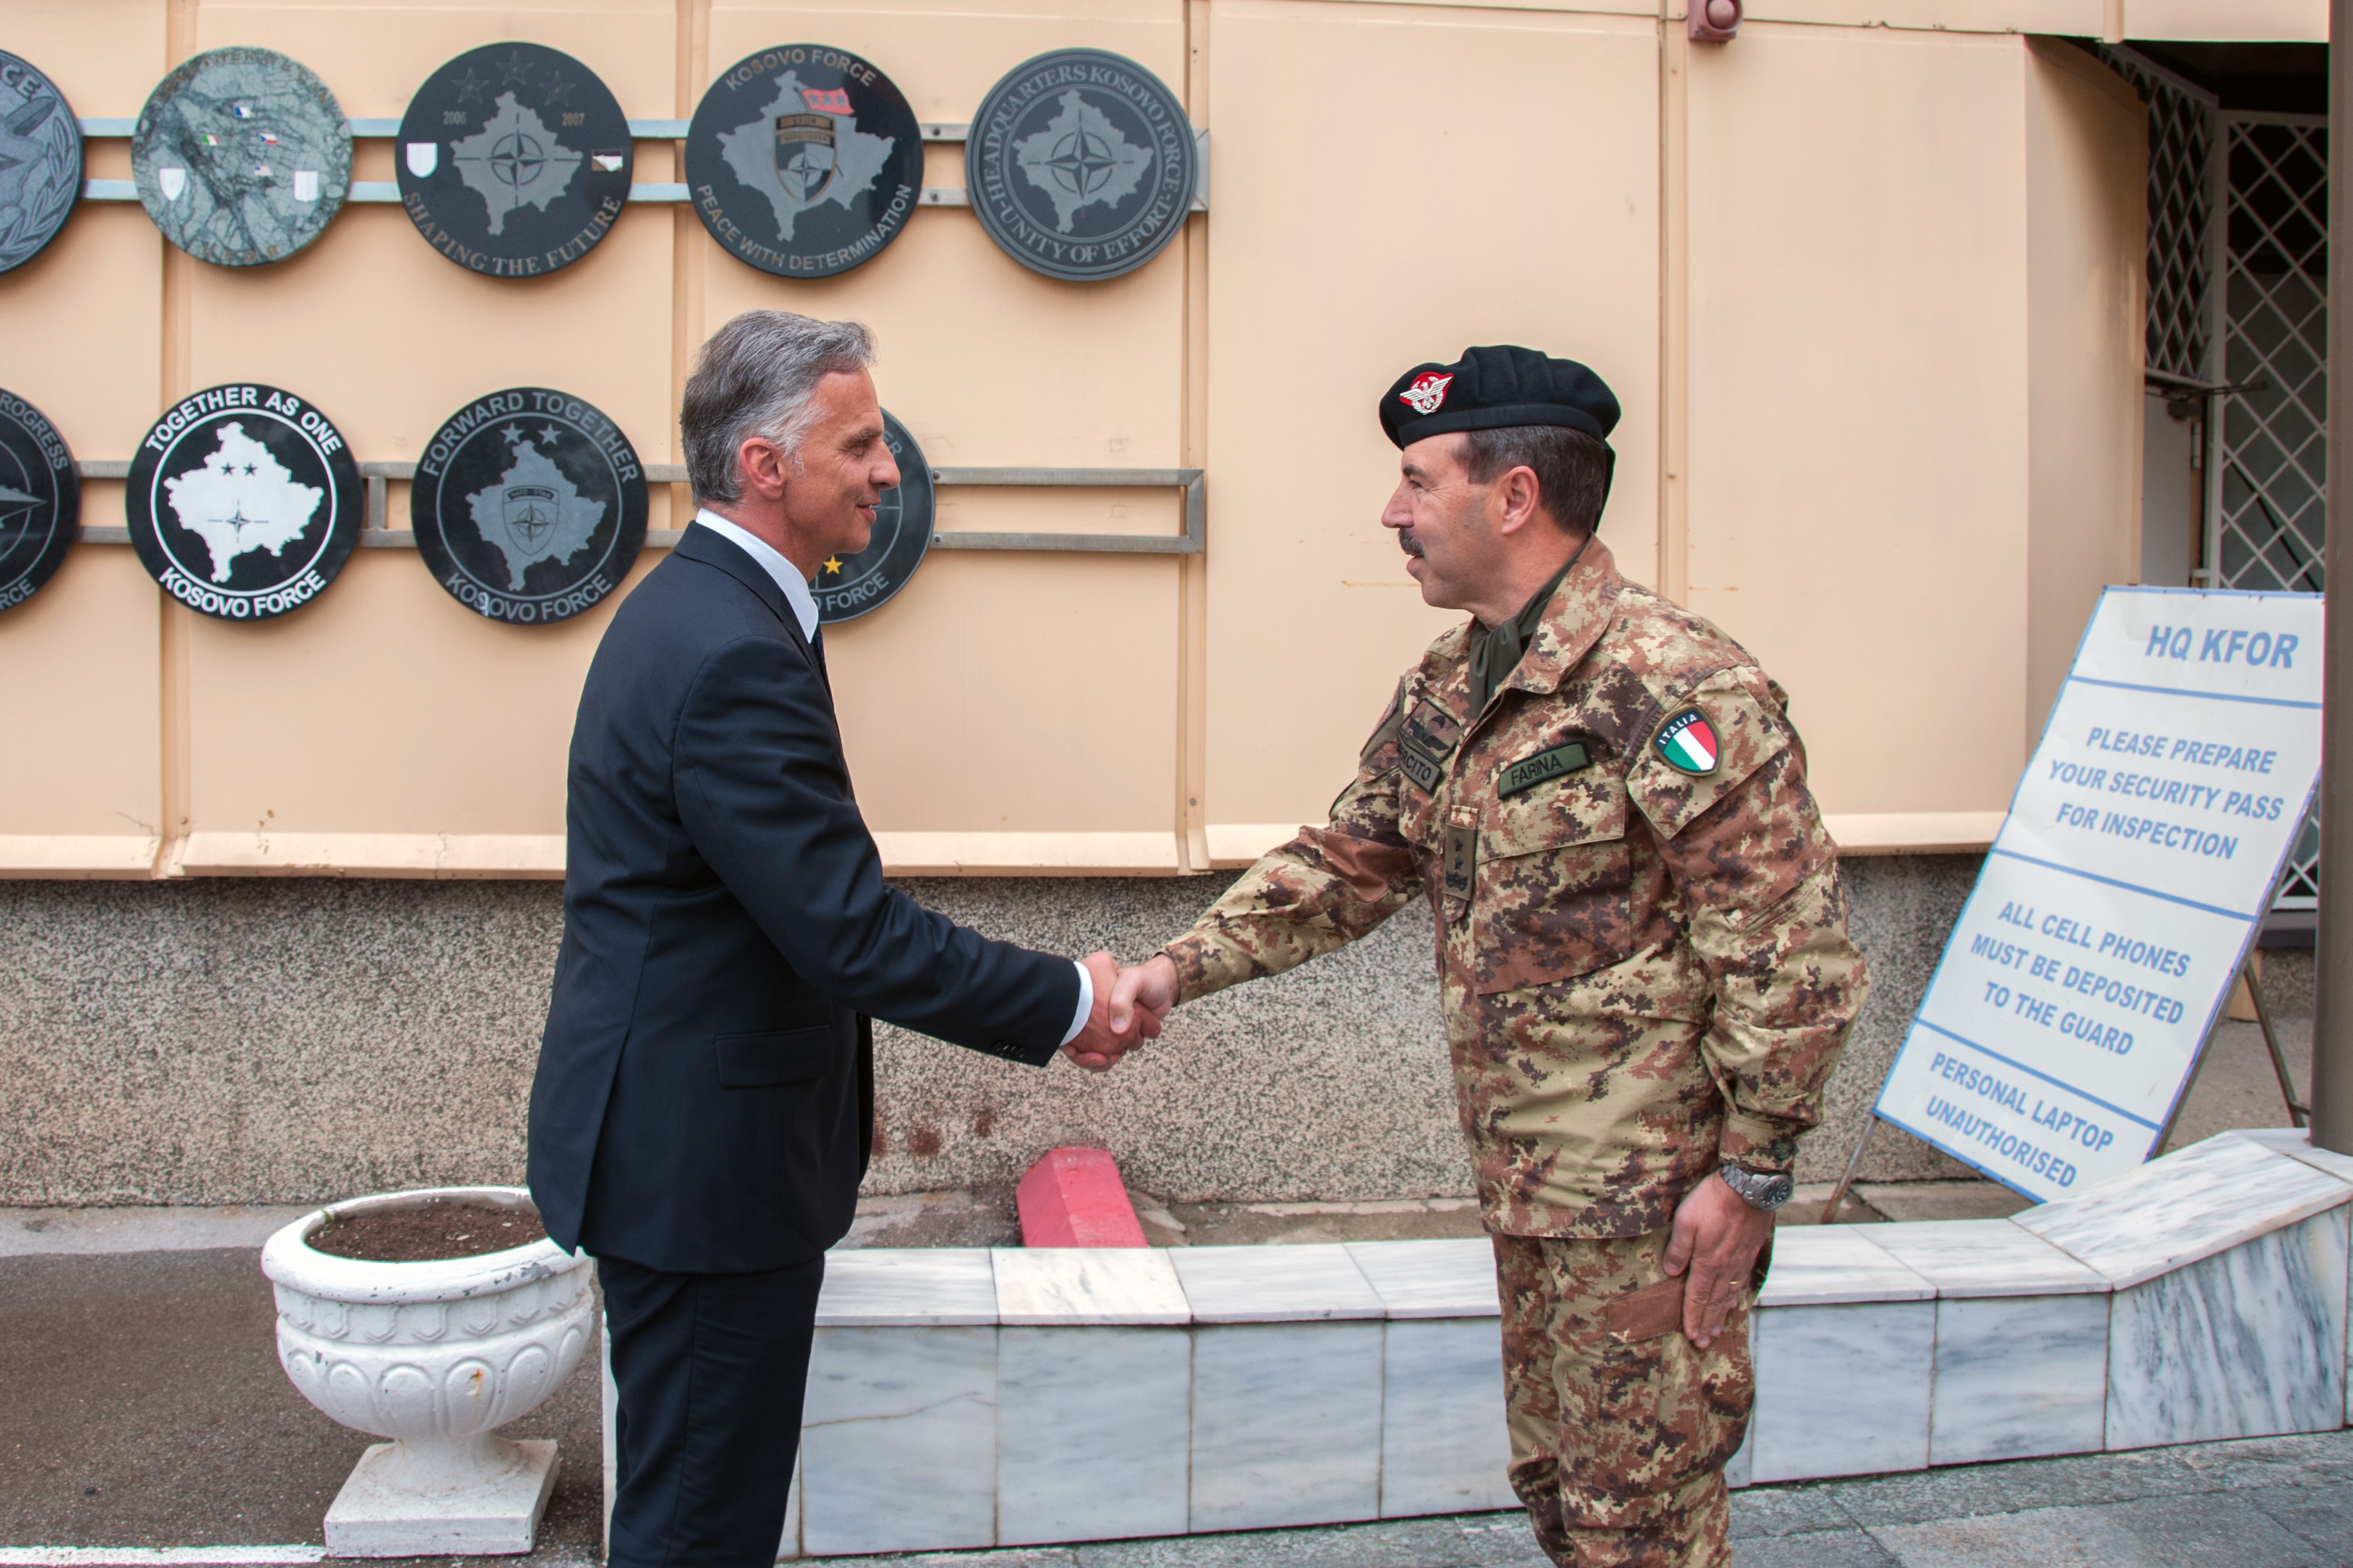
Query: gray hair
x,y
1572,469
756,377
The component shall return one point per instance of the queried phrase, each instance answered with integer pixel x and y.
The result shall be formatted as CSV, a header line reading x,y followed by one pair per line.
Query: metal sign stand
x,y
2298,1112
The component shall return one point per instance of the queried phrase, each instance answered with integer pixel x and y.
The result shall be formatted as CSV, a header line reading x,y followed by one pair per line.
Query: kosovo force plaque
x,y
1080,164
40,161
241,156
513,160
41,501
528,506
243,502
848,586
804,161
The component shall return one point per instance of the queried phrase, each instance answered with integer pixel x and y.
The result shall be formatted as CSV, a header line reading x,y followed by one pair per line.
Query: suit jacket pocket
x,y
778,1057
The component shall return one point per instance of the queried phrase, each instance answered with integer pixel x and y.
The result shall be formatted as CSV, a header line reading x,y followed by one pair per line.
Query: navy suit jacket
x,y
704,1096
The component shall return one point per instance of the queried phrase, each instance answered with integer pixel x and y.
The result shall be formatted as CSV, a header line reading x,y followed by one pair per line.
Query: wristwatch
x,y
1764,1190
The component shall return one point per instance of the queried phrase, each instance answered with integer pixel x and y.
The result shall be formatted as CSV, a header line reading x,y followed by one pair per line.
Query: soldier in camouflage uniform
x,y
1641,946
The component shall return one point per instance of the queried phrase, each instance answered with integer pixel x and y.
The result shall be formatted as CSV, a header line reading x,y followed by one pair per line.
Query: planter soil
x,y
432,1230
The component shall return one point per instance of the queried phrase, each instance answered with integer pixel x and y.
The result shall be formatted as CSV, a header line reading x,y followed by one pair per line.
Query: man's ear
x,y
1519,493
762,466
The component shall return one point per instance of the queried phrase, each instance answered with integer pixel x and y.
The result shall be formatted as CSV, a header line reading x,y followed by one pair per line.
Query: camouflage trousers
x,y
1620,1431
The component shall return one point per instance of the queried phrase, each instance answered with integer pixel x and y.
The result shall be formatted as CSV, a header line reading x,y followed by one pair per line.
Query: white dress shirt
x,y
804,606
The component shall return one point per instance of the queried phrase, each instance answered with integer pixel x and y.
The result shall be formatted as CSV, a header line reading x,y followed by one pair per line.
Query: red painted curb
x,y
1073,1198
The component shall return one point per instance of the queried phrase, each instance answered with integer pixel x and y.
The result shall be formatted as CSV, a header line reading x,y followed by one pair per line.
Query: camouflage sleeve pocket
x,y
1704,747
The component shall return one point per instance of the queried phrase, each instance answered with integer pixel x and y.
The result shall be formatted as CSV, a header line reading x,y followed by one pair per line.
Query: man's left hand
x,y
1718,1235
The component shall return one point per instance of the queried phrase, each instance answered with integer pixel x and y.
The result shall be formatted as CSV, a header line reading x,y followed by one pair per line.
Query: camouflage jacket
x,y
1644,968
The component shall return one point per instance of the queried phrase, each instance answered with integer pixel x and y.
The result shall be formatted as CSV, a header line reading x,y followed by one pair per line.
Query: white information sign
x,y
2108,925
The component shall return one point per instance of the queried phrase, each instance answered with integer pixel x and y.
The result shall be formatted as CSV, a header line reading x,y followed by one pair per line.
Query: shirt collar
x,y
772,561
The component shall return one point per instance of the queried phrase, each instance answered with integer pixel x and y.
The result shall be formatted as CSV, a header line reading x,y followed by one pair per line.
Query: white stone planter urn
x,y
436,1356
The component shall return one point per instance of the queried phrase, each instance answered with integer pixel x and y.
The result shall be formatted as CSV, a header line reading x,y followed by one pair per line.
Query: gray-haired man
x,y
704,1102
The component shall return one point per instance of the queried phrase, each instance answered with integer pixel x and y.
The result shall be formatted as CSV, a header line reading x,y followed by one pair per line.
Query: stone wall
x,y
280,1041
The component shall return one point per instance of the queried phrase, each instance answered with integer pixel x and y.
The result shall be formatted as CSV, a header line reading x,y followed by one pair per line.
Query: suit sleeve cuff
x,y
1086,1002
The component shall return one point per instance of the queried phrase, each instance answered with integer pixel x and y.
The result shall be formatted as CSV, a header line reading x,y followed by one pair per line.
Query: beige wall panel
x,y
80,709
945,53
2087,179
1500,184
384,706
2229,21
374,56
105,55
79,329
370,323
989,363
1858,371
2080,18
1003,694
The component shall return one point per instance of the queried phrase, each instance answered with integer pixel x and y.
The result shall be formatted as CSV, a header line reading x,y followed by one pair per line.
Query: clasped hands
x,y
1130,1003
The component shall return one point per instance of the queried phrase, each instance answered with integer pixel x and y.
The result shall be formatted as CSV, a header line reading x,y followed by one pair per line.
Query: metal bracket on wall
x,y
640,129
376,532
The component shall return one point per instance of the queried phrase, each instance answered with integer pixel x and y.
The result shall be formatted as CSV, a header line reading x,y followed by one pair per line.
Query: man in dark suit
x,y
703,1108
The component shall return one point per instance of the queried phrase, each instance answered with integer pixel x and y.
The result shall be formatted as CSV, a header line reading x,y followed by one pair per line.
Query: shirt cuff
x,y
1086,1001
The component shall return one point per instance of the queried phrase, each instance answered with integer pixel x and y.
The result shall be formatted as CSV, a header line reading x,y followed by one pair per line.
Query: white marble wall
x,y
1027,1397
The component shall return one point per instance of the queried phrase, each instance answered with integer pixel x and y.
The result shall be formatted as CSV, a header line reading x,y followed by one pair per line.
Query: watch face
x,y
804,161
243,502
528,506
514,160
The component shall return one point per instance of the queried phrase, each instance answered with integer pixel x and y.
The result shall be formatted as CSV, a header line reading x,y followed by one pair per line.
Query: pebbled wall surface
x,y
225,1041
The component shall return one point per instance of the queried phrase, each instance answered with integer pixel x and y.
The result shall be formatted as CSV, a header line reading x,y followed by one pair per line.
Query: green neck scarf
x,y
1496,651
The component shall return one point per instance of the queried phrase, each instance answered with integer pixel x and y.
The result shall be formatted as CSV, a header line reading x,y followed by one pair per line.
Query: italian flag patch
x,y
1687,742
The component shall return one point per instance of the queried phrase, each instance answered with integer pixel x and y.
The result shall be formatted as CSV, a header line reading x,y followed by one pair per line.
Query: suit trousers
x,y
710,1368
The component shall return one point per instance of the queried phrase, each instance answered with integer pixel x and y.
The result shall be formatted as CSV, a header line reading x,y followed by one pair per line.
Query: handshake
x,y
1130,1003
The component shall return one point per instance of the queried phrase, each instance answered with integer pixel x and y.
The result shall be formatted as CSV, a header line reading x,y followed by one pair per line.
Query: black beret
x,y
1489,388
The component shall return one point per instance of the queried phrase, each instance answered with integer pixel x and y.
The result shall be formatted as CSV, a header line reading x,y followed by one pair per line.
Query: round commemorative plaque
x,y
40,161
528,506
41,501
804,161
241,156
243,501
848,586
1080,164
514,160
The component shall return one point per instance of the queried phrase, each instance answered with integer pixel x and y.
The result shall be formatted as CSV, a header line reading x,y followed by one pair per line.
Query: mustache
x,y
1408,543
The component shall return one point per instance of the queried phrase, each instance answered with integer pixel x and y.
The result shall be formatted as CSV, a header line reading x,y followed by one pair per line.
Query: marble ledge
x,y
1311,1283
1821,1266
1965,1258
2185,1207
1087,1287
2295,1143
908,1287
1454,1277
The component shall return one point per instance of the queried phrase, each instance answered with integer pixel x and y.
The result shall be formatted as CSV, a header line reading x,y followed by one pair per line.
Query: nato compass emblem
x,y
242,157
40,166
804,161
1080,164
243,502
848,586
513,160
528,506
40,499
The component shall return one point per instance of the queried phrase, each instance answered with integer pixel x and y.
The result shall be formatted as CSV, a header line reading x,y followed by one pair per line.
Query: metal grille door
x,y
2181,126
2267,499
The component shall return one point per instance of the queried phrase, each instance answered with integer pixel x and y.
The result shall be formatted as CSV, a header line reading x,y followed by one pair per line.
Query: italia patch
x,y
1530,772
1687,742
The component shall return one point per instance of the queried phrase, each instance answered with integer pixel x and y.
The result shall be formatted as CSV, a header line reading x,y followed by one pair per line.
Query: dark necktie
x,y
816,646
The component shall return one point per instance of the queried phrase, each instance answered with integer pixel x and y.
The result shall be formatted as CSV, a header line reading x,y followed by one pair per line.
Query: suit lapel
x,y
701,544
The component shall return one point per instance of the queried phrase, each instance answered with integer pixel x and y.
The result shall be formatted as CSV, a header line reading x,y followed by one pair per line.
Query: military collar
x,y
1580,611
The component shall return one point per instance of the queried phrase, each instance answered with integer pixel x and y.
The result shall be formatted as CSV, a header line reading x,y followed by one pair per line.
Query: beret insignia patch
x,y
1427,393
1687,742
